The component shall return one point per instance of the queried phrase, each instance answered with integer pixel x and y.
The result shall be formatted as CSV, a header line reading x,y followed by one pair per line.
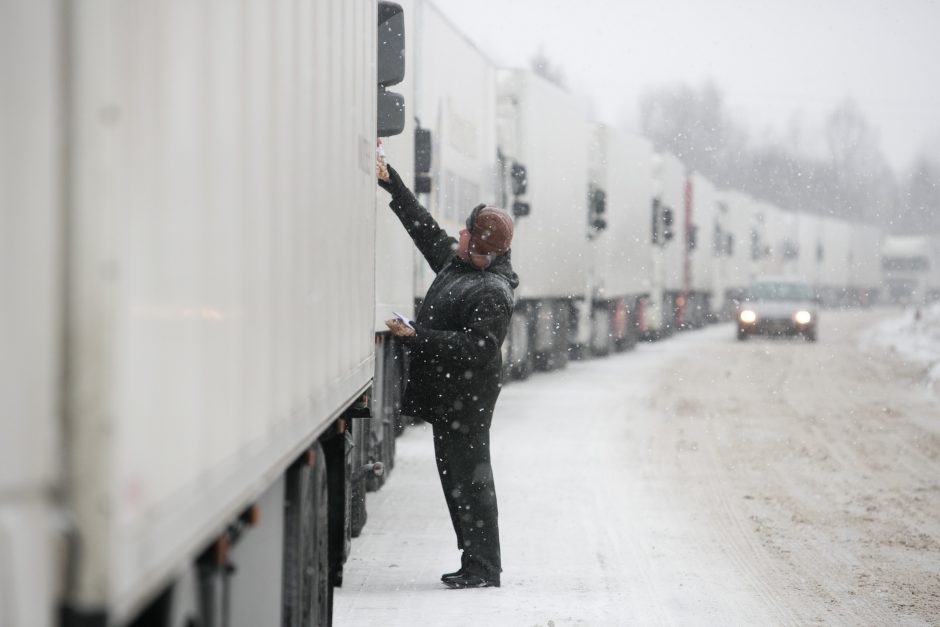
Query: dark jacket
x,y
456,363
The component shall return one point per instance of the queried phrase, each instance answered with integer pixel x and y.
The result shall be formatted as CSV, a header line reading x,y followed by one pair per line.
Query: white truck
x,y
543,128
188,245
455,107
834,256
736,266
865,263
621,180
806,265
911,269
703,246
671,180
782,243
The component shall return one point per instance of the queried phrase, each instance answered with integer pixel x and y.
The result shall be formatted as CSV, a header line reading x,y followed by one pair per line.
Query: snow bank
x,y
915,337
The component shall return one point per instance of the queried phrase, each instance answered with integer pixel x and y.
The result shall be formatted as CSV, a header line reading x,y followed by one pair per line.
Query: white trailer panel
x,y
221,265
547,131
783,240
672,180
835,236
735,215
394,250
455,98
31,260
865,256
807,263
623,168
703,257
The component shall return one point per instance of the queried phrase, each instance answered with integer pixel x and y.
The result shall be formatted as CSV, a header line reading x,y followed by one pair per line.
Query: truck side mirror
x,y
422,160
391,113
597,206
390,69
520,179
391,44
668,220
422,150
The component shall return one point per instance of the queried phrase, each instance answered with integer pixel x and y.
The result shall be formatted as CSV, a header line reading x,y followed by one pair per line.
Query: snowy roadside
x,y
913,338
696,481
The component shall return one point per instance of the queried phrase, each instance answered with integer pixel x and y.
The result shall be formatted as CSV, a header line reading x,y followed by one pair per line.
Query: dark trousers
x,y
463,463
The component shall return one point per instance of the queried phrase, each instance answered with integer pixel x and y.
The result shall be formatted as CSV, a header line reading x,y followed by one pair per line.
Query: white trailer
x,y
544,128
395,280
764,222
621,170
31,274
865,263
736,266
455,99
834,257
188,224
783,243
705,294
806,265
671,181
911,269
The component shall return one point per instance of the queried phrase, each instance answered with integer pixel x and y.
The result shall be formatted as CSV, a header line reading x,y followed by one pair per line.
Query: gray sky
x,y
773,60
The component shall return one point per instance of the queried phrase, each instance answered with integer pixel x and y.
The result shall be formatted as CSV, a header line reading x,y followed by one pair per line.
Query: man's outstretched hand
x,y
399,328
392,182
381,169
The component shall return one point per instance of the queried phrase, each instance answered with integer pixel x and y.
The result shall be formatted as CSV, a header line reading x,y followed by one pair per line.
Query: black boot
x,y
453,575
469,580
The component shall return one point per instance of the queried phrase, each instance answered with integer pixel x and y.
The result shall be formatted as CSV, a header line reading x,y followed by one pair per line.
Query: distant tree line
x,y
852,180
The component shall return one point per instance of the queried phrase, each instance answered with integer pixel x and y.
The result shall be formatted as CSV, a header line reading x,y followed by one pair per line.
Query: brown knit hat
x,y
491,231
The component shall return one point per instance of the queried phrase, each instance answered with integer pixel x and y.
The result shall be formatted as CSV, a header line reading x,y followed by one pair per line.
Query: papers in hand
x,y
404,320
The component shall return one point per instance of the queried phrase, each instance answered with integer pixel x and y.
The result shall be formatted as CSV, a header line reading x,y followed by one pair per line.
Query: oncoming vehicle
x,y
778,307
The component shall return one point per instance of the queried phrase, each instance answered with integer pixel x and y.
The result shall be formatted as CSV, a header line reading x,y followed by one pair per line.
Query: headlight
x,y
802,317
748,316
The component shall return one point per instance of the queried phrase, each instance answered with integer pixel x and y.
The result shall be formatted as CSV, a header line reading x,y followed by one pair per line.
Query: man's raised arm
x,y
433,242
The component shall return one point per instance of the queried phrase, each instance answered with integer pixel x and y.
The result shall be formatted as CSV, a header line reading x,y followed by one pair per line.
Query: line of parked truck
x,y
197,384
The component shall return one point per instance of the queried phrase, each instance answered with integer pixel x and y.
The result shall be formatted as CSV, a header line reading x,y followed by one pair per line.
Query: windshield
x,y
780,291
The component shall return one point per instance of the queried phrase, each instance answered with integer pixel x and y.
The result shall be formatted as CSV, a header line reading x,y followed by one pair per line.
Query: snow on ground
x,y
696,481
914,336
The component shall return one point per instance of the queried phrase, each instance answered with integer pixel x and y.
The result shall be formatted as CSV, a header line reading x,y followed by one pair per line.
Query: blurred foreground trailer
x,y
188,225
31,273
544,134
622,191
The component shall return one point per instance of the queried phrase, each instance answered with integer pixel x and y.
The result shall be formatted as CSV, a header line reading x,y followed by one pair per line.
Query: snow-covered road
x,y
693,481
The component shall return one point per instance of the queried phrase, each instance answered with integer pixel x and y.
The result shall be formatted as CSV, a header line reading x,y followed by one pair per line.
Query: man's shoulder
x,y
498,286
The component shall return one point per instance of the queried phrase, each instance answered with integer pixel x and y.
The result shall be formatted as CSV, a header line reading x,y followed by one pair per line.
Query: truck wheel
x,y
307,590
742,334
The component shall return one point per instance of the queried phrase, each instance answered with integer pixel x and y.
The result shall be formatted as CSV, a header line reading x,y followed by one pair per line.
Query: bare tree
x,y
921,212
544,67
854,182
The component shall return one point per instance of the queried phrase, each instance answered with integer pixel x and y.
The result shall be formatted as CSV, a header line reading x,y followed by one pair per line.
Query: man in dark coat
x,y
456,366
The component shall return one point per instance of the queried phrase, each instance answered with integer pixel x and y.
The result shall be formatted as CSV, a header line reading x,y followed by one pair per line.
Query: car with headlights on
x,y
778,307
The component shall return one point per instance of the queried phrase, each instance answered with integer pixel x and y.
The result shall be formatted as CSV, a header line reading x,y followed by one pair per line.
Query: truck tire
x,y
307,593
742,334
